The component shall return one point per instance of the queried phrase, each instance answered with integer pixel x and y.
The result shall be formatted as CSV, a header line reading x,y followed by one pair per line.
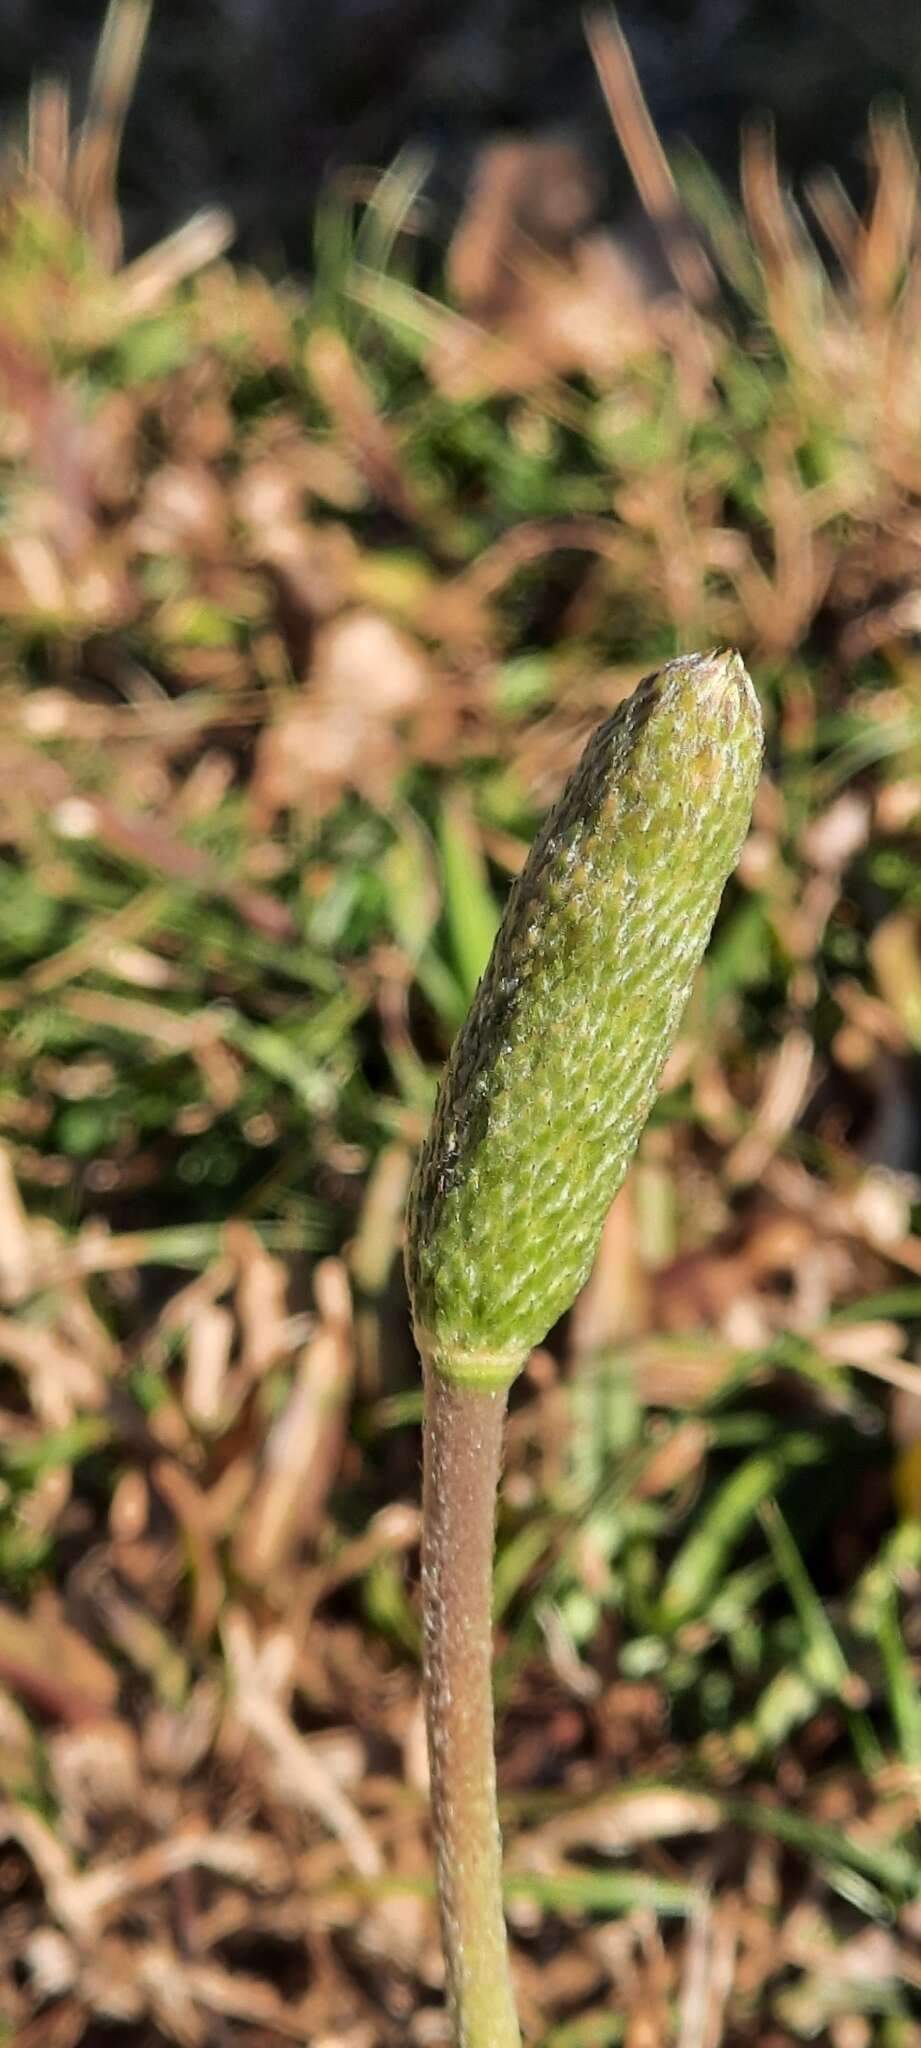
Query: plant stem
x,y
462,1436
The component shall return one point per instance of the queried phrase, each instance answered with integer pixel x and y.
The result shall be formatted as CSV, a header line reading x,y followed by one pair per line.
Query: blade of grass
x,y
470,907
887,1864
702,1561
823,1657
182,1244
902,1685
601,1891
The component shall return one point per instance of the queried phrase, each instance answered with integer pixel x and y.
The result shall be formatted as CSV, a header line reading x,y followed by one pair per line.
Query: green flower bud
x,y
552,1076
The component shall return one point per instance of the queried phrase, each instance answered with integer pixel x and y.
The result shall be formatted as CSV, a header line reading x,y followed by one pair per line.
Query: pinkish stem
x,y
463,1431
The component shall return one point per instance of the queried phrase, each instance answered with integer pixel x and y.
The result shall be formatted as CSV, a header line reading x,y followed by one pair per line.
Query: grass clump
x,y
308,606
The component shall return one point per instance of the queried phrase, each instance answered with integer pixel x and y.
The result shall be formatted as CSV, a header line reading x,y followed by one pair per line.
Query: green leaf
x,y
470,907
701,1563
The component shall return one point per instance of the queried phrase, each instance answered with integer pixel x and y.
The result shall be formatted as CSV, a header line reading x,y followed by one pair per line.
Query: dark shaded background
x,y
255,102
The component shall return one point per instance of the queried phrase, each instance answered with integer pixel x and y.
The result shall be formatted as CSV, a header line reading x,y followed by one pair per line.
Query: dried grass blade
x,y
649,166
48,146
95,165
885,246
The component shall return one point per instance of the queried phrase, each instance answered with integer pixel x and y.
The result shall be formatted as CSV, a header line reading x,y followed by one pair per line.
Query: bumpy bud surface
x,y
552,1076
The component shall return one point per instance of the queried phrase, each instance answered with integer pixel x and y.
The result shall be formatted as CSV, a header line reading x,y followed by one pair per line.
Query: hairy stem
x,y
462,1437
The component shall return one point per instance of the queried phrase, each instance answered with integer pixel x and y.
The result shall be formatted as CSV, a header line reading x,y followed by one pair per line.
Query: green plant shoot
x,y
540,1109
